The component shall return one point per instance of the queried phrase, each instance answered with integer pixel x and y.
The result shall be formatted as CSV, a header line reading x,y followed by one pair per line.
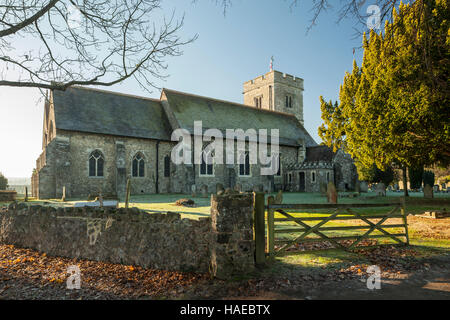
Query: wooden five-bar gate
x,y
274,219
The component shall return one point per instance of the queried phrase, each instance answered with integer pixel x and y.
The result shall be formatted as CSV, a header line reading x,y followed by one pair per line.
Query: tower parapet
x,y
276,91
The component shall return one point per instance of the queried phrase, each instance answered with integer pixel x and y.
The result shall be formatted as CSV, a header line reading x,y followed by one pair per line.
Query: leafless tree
x,y
353,9
54,44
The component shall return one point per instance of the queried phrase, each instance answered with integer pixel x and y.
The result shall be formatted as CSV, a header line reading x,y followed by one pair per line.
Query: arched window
x,y
96,162
206,169
167,166
244,166
138,167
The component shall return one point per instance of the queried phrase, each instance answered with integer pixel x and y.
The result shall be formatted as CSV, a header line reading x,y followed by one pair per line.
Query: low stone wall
x,y
221,244
8,195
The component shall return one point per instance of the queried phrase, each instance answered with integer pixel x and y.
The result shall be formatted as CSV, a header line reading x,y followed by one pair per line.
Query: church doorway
x,y
301,182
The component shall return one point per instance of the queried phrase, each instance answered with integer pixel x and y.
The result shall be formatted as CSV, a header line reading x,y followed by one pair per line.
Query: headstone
x,y
428,192
100,197
279,197
108,203
204,191
380,189
363,186
193,191
357,187
238,187
219,188
332,194
323,188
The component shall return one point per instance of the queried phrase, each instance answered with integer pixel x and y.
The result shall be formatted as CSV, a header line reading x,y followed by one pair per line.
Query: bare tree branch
x,y
85,42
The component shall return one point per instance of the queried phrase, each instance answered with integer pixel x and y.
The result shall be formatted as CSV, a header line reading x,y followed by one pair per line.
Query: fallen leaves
x,y
22,269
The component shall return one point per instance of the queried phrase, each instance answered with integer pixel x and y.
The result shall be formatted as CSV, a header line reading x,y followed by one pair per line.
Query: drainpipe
x,y
157,168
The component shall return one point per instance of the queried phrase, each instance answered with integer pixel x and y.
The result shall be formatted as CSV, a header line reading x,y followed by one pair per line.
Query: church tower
x,y
276,91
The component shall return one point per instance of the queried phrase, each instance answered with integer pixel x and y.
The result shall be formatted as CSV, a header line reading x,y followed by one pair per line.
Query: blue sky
x,y
229,50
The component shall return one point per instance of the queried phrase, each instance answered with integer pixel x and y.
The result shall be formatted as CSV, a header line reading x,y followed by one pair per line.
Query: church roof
x,y
187,108
104,112
319,153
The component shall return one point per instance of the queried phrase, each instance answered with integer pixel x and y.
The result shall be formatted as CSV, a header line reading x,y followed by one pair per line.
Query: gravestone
x,y
279,197
428,192
332,194
193,191
363,186
380,189
219,188
238,187
204,191
323,188
63,199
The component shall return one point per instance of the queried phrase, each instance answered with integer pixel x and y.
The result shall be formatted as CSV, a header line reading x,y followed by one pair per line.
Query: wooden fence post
x,y
405,219
259,227
63,198
26,194
127,195
270,229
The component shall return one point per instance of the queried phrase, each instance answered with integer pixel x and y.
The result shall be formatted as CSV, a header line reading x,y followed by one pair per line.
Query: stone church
x,y
94,141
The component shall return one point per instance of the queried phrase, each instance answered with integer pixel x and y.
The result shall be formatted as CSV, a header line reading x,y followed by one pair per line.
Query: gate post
x,y
405,219
270,229
259,226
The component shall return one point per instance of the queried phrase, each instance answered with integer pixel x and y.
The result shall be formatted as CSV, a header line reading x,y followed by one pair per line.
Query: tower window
x,y
96,162
258,102
138,165
288,103
270,98
313,176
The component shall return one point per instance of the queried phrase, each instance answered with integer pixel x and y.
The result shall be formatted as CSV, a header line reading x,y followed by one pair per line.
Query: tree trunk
x,y
405,182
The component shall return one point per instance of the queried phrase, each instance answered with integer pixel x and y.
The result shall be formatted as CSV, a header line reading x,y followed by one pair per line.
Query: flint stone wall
x,y
159,241
8,195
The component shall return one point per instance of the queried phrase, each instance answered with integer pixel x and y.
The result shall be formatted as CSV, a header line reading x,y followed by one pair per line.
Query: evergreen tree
x,y
415,177
393,110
